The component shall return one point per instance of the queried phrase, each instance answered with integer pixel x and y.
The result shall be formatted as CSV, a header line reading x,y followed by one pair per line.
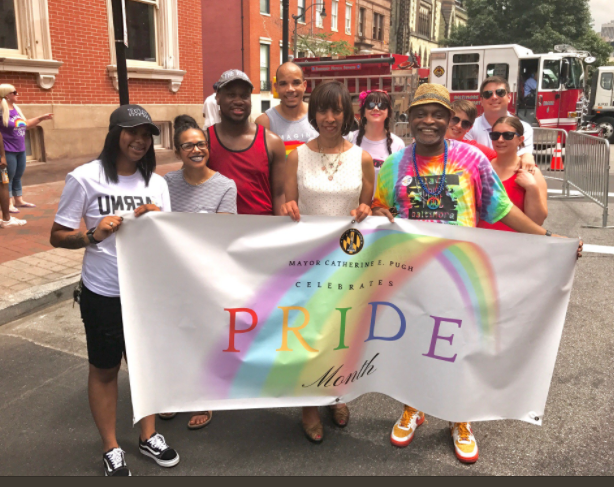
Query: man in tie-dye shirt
x,y
471,192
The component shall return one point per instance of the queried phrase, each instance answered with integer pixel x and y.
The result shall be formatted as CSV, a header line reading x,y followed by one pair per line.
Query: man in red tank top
x,y
465,113
253,157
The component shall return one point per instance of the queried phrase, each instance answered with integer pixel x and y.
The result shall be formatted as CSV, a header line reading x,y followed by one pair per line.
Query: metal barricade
x,y
401,129
587,170
545,143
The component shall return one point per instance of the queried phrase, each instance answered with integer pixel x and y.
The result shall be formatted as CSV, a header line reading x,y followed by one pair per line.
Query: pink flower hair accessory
x,y
364,94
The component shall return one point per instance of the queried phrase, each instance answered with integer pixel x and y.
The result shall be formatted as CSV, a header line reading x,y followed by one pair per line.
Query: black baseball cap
x,y
127,116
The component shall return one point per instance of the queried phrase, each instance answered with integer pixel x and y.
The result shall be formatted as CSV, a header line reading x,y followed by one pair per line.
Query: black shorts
x,y
104,329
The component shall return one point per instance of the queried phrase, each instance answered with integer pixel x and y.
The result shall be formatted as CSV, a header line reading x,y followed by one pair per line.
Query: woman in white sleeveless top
x,y
328,176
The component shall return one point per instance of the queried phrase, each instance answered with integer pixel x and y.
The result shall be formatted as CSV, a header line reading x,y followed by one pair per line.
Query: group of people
x,y
13,126
297,159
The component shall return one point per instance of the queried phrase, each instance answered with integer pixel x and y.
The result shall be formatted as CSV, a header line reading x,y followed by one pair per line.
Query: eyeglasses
x,y
189,146
488,93
465,124
380,105
506,135
14,93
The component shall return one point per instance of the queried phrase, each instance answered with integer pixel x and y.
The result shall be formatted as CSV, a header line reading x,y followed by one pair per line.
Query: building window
x,y
348,18
8,25
164,140
34,145
141,23
334,16
153,42
265,105
25,41
301,11
361,22
265,8
265,60
378,27
424,21
319,6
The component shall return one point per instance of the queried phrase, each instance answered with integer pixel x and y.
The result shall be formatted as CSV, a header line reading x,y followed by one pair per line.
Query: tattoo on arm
x,y
74,241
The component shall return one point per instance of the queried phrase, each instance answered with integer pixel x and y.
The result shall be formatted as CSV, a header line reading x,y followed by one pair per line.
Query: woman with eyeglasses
x,y
195,188
529,192
373,135
13,126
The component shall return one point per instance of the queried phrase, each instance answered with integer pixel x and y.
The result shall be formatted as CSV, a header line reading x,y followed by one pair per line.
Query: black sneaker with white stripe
x,y
155,447
114,463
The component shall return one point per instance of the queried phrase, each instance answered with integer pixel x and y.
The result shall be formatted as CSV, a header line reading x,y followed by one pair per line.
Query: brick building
x,y
60,56
255,46
373,26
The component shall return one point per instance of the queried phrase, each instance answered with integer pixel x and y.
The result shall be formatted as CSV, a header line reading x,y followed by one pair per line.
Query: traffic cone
x,y
557,161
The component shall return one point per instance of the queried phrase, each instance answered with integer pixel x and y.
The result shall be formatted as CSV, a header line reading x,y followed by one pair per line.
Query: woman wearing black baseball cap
x,y
121,179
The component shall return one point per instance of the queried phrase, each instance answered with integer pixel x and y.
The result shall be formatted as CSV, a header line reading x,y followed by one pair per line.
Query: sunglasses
x,y
13,93
488,93
465,124
506,135
380,105
189,146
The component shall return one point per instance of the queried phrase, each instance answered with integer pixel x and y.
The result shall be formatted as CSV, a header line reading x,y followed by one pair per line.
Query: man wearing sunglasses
x,y
496,97
465,113
448,182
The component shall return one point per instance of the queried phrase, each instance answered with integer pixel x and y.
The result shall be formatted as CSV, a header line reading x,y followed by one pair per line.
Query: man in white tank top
x,y
289,119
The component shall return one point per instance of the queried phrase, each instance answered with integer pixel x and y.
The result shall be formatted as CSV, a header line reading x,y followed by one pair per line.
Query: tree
x,y
319,45
536,24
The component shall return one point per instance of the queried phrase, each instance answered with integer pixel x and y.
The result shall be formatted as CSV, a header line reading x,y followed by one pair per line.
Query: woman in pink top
x,y
527,191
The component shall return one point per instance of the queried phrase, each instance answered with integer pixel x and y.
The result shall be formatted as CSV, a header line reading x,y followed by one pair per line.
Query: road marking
x,y
573,192
598,249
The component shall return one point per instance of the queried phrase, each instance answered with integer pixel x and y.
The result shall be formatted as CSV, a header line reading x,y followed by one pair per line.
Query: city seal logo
x,y
352,241
439,71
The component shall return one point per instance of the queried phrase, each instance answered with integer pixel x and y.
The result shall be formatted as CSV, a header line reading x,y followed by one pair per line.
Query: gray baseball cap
x,y
233,75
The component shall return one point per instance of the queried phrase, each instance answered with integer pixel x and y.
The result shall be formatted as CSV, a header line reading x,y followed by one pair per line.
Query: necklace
x,y
331,165
195,184
442,181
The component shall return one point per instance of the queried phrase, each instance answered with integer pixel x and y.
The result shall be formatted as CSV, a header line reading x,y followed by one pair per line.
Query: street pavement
x,y
46,426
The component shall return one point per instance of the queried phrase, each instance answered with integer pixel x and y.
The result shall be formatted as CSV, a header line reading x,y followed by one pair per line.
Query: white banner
x,y
234,312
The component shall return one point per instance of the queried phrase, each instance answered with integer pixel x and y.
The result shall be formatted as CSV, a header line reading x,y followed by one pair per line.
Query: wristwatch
x,y
90,236
548,233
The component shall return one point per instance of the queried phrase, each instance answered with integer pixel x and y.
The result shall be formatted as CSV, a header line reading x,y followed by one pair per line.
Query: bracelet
x,y
548,233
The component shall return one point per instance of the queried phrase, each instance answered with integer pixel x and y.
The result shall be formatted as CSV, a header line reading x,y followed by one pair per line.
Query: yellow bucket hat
x,y
431,93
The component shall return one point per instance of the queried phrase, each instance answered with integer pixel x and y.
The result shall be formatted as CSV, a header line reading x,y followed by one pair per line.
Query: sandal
x,y
340,415
13,210
27,205
314,432
209,415
166,416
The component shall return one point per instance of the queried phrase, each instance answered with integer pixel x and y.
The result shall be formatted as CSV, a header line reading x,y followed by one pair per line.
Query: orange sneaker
x,y
465,446
405,427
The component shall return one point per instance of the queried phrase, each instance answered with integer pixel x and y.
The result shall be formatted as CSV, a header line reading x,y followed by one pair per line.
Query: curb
x,y
36,298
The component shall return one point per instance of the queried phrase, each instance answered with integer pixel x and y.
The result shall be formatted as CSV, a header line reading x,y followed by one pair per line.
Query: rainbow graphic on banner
x,y
291,145
20,122
259,370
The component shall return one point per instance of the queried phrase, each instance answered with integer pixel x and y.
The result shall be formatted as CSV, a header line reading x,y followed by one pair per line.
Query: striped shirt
x,y
218,194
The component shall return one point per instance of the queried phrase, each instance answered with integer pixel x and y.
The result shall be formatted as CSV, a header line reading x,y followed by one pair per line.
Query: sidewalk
x,y
33,273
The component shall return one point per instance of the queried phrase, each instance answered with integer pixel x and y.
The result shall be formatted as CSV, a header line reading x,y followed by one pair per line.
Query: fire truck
x,y
598,112
557,79
393,73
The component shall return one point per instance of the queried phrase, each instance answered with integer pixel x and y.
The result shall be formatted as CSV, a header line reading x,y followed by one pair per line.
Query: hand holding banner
x,y
249,312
